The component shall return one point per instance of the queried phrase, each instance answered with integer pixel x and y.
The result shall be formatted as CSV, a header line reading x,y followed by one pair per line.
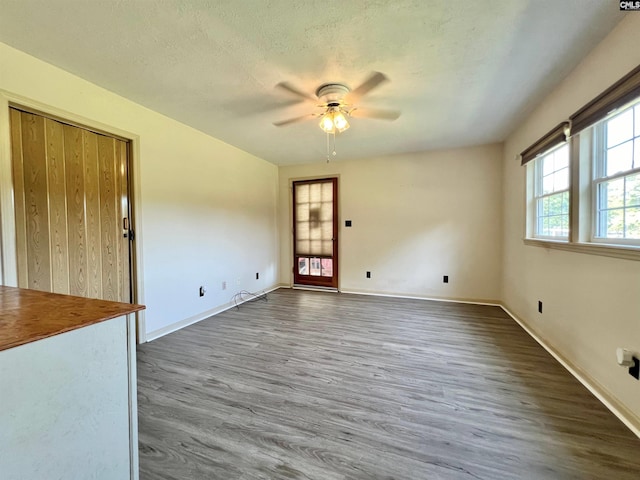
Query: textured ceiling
x,y
462,73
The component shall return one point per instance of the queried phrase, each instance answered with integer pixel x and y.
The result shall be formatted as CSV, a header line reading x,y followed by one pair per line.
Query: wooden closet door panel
x,y
57,207
123,205
36,202
109,219
92,214
71,195
18,189
74,156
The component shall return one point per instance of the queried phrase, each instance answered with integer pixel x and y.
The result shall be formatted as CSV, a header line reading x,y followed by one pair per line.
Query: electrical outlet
x,y
257,276
539,306
224,285
237,281
368,274
202,291
445,279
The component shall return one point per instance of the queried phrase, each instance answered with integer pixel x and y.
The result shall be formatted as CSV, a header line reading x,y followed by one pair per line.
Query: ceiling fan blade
x,y
255,105
308,116
374,113
298,93
375,79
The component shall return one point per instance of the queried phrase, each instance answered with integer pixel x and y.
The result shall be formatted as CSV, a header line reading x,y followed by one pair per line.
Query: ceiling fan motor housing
x,y
332,93
338,102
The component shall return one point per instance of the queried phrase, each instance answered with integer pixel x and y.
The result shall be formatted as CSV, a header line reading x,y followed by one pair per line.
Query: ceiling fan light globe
x,y
327,124
340,122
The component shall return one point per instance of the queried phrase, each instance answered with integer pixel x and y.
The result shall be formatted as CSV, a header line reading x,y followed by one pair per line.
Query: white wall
x,y
591,303
208,210
415,217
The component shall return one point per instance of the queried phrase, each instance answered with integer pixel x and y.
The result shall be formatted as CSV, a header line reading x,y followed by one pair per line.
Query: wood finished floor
x,y
312,385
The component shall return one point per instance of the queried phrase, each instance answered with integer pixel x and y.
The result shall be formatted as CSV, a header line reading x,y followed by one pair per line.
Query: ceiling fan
x,y
338,102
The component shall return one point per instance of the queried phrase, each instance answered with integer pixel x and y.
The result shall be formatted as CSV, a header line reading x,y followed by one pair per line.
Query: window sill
x,y
617,251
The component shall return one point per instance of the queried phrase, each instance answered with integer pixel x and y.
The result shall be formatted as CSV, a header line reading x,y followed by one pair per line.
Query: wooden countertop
x,y
30,315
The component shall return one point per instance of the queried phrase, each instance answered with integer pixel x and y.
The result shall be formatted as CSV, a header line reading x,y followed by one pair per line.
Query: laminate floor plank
x,y
315,385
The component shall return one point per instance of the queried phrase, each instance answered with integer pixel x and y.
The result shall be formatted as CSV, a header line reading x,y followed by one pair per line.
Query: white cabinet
x,y
68,405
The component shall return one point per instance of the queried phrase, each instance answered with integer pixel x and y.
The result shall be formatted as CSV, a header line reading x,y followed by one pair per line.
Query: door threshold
x,y
314,288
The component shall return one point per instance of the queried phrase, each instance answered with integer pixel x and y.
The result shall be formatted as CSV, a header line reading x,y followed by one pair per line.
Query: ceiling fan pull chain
x,y
327,147
334,143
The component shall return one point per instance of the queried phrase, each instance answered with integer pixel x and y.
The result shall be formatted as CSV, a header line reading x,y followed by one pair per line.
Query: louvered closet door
x,y
71,199
315,233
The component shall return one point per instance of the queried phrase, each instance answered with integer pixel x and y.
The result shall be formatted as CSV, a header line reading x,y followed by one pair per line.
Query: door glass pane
x,y
303,231
302,212
303,247
314,268
315,247
327,230
327,267
302,194
327,192
315,192
303,266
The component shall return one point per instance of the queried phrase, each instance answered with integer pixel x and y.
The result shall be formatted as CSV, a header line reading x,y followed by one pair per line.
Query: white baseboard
x,y
315,289
625,415
174,327
492,303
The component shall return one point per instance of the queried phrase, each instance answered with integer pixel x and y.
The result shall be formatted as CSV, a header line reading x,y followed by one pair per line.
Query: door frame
x,y
337,216
8,250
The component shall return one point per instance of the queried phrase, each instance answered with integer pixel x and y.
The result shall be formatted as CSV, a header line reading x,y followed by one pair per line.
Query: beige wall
x,y
415,217
208,210
591,303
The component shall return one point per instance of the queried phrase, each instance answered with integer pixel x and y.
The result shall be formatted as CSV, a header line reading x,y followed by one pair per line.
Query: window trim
x,y
601,249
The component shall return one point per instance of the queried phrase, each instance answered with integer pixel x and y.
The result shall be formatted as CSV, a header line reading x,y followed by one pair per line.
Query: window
x,y
616,179
583,177
551,197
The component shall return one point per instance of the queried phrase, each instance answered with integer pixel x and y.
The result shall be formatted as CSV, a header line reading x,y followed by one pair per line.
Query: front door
x,y
315,233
